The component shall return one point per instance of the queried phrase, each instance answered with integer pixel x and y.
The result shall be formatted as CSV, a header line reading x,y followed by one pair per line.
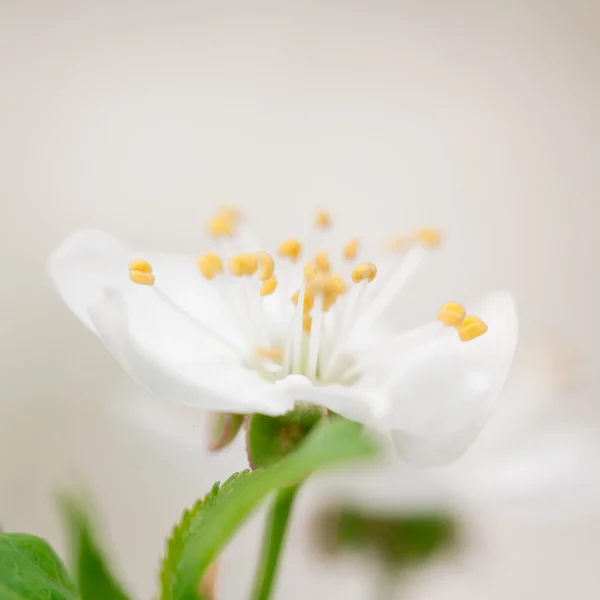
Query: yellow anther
x,y
236,265
309,301
471,328
275,353
221,226
310,271
249,263
224,222
429,237
364,272
215,261
323,219
452,314
338,285
322,261
328,301
332,288
141,277
398,243
267,265
290,249
231,213
329,286
210,265
317,284
140,265
140,272
351,250
307,323
268,286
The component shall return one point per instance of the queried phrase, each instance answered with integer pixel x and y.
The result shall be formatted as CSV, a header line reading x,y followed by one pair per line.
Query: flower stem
x,y
274,537
385,584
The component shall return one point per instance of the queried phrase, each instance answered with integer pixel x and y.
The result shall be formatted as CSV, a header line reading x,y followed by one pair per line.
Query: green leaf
x,y
399,539
206,528
190,522
31,570
94,579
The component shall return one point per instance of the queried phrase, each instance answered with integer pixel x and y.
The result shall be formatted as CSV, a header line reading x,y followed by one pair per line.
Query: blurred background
x,y
480,118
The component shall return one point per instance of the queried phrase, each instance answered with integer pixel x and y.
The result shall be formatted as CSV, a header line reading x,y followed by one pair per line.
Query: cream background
x,y
138,118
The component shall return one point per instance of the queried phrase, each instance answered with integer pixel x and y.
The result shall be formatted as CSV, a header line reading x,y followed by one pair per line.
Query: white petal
x,y
555,463
169,372
88,261
439,407
355,403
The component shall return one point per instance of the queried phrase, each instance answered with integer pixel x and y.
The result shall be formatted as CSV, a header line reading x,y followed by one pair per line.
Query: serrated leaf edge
x,y
175,543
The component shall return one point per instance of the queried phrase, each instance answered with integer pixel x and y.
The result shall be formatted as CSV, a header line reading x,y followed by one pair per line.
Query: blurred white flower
x,y
229,339
526,493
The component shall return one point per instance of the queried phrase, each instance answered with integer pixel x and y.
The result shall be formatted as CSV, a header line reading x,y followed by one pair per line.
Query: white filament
x,y
315,339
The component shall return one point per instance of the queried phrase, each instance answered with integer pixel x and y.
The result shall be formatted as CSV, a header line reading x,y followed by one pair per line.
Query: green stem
x,y
274,537
385,584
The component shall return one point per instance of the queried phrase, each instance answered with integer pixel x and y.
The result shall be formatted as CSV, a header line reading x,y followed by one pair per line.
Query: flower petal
x,y
167,371
439,406
88,261
355,403
556,462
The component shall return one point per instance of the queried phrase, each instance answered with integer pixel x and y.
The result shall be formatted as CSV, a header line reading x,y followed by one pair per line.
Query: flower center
x,y
300,318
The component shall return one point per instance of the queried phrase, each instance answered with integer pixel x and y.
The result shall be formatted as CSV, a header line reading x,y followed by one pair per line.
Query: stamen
x,y
310,271
224,223
451,314
327,308
309,301
307,323
323,219
339,285
333,287
472,327
386,293
220,227
429,237
351,250
328,301
210,265
140,265
322,262
140,272
290,249
316,284
267,265
231,213
236,265
298,321
398,243
275,353
249,263
315,328
242,265
362,275
364,272
268,286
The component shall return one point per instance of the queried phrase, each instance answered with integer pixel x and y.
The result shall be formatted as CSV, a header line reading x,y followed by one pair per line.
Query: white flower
x,y
221,332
